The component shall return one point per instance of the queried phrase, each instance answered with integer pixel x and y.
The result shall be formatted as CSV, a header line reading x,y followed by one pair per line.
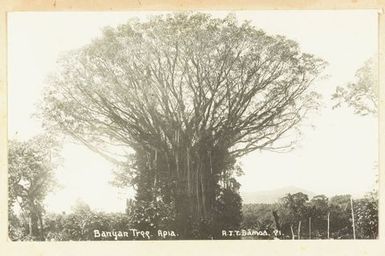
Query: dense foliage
x,y
82,222
317,218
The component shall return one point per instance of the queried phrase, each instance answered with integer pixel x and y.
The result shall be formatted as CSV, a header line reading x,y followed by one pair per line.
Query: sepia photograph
x,y
193,125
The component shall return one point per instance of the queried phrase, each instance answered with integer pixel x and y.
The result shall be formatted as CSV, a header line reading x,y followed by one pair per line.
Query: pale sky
x,y
337,152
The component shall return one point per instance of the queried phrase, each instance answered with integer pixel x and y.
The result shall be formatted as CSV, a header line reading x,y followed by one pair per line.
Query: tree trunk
x,y
33,226
299,230
195,196
353,224
276,220
30,226
292,232
194,173
328,225
41,227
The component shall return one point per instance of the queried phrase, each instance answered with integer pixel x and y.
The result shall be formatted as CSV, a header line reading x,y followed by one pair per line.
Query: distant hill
x,y
272,196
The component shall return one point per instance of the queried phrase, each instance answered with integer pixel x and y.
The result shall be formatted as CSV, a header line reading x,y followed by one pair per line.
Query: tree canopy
x,y
141,82
362,94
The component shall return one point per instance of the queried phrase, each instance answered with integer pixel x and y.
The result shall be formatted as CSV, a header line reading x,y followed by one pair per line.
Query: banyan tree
x,y
188,94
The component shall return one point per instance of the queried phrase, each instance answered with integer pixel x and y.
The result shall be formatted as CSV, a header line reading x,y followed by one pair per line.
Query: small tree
x,y
362,95
340,217
318,210
293,210
30,177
